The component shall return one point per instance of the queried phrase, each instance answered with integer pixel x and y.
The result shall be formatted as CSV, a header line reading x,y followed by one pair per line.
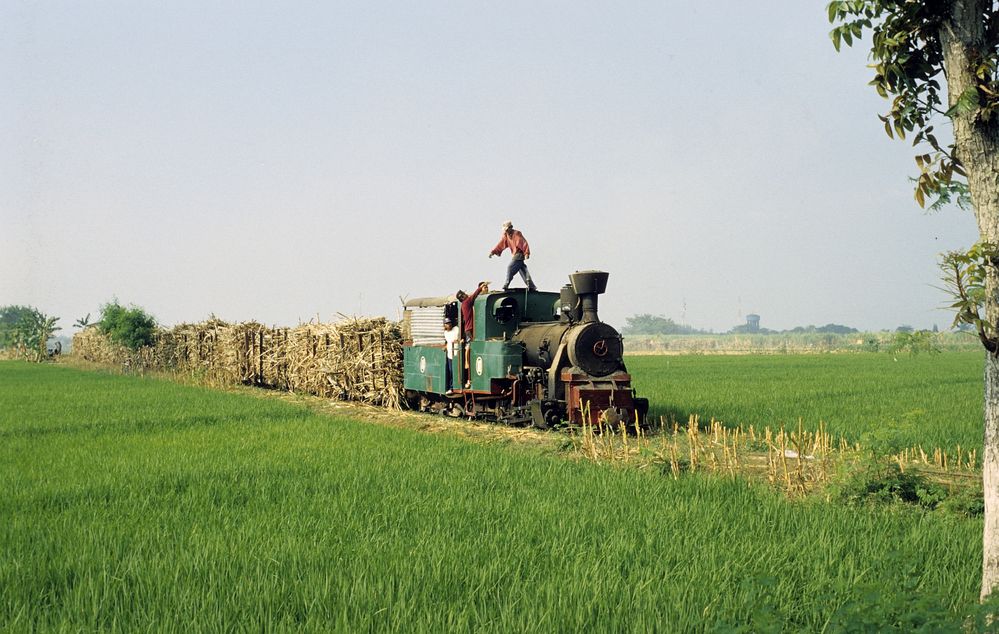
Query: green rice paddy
x,y
133,504
890,402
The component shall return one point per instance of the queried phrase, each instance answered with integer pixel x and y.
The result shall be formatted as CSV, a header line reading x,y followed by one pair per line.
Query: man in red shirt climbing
x,y
515,241
467,324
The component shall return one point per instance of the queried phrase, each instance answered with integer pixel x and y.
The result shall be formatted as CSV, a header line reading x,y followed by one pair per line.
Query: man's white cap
x,y
507,225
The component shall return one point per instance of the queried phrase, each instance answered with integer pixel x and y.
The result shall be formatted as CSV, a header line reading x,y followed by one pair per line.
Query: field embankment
x,y
139,504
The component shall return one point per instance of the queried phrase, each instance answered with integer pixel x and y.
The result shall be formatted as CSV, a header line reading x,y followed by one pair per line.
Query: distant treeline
x,y
658,325
647,324
899,342
831,329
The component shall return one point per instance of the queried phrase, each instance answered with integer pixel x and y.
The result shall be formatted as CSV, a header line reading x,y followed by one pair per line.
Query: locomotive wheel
x,y
552,417
423,404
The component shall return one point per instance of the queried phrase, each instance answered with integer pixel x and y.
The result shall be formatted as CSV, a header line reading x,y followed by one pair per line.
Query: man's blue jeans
x,y
518,265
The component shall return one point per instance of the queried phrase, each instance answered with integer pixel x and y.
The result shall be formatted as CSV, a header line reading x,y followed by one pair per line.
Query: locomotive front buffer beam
x,y
609,400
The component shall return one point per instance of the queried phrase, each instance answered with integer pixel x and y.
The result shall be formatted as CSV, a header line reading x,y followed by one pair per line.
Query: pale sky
x,y
283,161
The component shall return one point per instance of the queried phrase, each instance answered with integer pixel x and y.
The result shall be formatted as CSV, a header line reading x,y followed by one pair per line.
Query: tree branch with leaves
x,y
965,276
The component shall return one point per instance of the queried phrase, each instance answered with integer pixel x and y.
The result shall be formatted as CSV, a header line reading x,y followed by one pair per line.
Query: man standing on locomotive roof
x,y
521,251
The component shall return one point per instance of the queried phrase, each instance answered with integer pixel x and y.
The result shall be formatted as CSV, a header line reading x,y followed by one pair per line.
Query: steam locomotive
x,y
536,357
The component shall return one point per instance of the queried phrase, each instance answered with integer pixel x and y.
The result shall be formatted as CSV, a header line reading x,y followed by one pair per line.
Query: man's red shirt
x,y
466,310
515,241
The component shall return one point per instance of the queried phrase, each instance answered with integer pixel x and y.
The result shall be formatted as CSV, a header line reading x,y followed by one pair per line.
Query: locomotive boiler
x,y
535,357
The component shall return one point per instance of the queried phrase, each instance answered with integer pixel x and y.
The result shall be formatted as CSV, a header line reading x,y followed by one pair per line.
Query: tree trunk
x,y
990,478
962,37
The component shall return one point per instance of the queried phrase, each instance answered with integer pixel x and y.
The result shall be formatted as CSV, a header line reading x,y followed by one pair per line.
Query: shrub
x,y
872,343
914,342
131,327
887,484
968,501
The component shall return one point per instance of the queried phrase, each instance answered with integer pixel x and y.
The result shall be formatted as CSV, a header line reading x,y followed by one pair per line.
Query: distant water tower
x,y
753,322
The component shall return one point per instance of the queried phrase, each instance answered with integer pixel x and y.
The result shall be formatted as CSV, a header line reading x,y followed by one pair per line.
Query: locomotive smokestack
x,y
589,284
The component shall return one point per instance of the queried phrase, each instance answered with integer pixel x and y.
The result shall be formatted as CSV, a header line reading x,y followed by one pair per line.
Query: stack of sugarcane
x,y
92,345
355,359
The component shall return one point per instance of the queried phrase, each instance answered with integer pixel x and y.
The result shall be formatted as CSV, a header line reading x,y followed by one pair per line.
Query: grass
x,y
138,504
883,401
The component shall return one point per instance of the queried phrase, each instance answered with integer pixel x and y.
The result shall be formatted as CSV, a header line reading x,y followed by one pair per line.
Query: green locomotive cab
x,y
494,358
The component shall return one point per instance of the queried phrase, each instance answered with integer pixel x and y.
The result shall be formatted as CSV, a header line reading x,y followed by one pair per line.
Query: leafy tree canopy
x,y
908,65
26,329
9,318
656,325
131,327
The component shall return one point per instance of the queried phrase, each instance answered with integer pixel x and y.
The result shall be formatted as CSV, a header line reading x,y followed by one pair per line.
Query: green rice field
x,y
135,504
878,399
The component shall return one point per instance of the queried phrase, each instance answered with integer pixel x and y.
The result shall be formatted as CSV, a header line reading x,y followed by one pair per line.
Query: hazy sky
x,y
283,161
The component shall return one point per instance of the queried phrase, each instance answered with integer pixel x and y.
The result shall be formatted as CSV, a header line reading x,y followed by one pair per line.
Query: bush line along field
x,y
137,504
885,403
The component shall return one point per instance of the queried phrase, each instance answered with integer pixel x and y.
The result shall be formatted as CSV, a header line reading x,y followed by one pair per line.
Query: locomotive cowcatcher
x,y
536,358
